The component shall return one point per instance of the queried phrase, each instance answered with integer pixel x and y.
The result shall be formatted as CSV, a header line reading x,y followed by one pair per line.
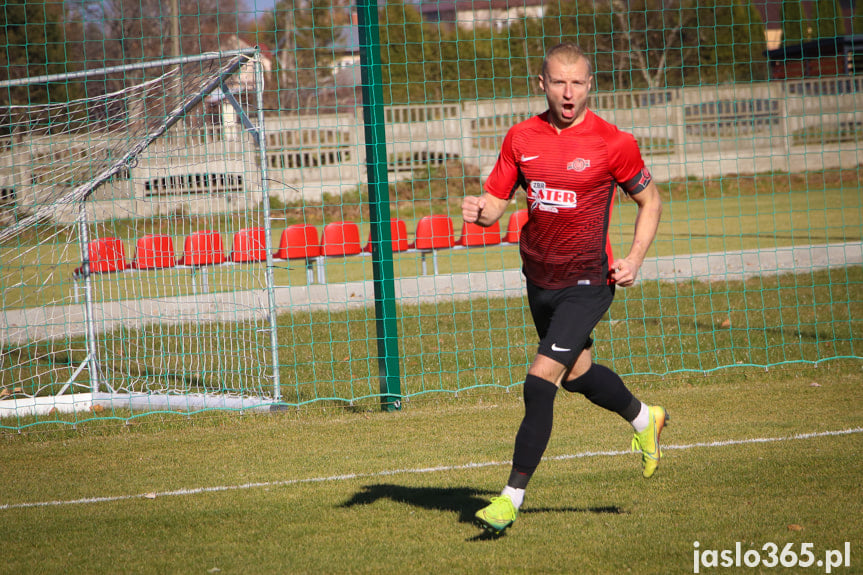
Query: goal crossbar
x,y
82,192
80,75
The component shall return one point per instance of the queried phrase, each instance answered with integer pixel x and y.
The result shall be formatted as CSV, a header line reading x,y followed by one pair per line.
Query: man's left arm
x,y
625,271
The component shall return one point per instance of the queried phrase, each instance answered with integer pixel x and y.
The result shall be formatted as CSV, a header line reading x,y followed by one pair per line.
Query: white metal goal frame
x,y
101,394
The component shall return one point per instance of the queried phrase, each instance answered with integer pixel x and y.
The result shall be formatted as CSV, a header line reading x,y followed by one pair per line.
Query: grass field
x,y
334,491
449,347
754,456
742,220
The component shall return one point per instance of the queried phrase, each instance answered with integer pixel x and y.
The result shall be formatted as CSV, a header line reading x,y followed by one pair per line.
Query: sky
x,y
260,5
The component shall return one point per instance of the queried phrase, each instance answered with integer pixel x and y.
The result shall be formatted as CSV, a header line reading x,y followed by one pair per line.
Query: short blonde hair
x,y
567,52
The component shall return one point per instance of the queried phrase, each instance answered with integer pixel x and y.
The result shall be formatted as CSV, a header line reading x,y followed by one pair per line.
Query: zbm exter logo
x,y
550,199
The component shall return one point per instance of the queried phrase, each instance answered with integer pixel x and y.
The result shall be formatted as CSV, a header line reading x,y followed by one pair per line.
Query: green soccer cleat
x,y
647,442
497,516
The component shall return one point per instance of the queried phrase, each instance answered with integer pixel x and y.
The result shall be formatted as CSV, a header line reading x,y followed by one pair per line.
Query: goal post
x,y
127,203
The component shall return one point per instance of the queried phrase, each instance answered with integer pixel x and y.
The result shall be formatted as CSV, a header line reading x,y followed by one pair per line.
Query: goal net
x,y
134,241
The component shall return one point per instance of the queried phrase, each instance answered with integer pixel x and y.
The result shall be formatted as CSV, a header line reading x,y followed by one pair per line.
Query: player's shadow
x,y
463,501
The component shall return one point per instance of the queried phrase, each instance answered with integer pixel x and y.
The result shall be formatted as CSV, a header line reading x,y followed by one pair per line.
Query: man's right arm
x,y
484,210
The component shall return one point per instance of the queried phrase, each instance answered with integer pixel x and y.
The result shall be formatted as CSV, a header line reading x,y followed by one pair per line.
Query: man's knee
x,y
603,387
578,382
548,369
539,391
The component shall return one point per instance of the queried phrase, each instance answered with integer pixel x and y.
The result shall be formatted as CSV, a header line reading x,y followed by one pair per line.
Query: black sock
x,y
535,430
604,388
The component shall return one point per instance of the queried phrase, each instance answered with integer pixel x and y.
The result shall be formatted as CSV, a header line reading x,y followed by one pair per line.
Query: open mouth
x,y
568,110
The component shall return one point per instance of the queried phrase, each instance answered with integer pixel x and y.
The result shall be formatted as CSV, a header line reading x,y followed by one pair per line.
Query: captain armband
x,y
637,183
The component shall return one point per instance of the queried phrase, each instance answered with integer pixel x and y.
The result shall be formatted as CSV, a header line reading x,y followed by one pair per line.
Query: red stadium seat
x,y
341,239
434,233
106,255
154,252
399,234
477,235
250,245
299,241
203,248
513,228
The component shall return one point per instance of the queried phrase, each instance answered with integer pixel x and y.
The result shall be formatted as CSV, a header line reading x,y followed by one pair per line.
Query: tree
x,y
828,19
118,32
590,26
33,43
653,37
633,43
303,33
125,31
459,65
795,28
529,36
751,44
314,35
279,28
732,43
410,56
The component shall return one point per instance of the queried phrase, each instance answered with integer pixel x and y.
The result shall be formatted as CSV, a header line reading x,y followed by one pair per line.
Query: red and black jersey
x,y
570,178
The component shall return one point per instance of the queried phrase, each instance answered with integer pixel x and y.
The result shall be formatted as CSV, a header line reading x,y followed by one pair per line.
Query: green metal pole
x,y
379,205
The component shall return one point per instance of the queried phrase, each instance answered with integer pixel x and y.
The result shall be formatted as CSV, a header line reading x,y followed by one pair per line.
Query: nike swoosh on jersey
x,y
554,347
528,158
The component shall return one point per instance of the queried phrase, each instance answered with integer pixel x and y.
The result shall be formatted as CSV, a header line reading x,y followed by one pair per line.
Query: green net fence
x,y
221,206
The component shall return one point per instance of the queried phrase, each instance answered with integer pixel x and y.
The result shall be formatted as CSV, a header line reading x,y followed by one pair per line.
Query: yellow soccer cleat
x,y
647,442
497,516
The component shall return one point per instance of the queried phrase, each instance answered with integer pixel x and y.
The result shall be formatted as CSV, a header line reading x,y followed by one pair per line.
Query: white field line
x,y
387,473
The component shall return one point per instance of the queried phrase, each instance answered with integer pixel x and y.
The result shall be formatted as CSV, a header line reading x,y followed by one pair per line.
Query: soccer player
x,y
569,161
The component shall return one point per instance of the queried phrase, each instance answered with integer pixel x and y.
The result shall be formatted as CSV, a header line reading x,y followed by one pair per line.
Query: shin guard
x,y
535,430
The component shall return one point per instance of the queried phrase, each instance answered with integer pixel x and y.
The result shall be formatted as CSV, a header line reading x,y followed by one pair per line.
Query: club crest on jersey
x,y
578,165
550,199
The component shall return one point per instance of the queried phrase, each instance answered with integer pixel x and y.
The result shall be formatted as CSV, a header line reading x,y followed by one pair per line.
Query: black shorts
x,y
565,318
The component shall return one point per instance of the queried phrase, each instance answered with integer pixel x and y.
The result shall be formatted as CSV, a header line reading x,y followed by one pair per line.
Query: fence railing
x,y
683,132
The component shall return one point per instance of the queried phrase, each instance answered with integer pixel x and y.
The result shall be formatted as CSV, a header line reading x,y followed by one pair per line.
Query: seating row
x,y
298,241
